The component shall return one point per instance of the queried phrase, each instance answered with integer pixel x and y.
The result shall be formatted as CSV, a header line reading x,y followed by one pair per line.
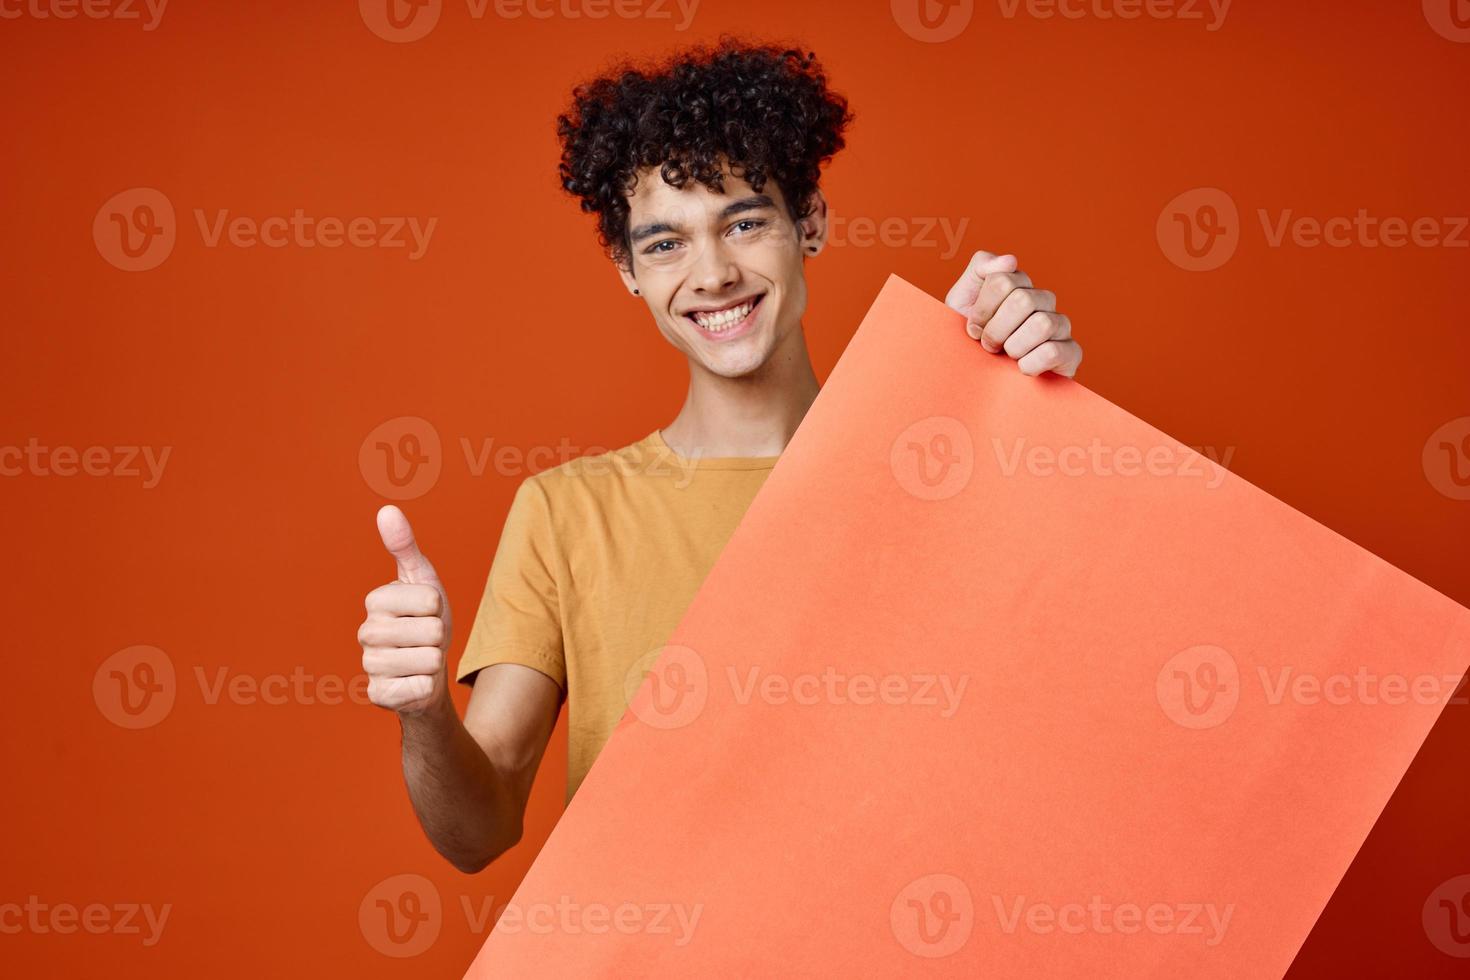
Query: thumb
x,y
966,290
398,539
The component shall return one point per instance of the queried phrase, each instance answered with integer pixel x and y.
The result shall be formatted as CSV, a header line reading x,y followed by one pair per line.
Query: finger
x,y
403,631
1058,356
399,692
405,599
962,294
401,661
1013,312
992,294
1036,330
398,539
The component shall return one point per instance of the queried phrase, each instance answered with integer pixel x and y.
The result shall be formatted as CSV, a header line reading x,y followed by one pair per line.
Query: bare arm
x,y
469,781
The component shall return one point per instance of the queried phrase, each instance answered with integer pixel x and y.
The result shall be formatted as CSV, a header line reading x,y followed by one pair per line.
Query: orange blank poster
x,y
993,679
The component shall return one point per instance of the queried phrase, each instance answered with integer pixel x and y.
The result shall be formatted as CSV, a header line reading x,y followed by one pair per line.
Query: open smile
x,y
726,322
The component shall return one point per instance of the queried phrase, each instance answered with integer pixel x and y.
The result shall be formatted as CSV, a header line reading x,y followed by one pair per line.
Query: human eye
x,y
749,224
657,248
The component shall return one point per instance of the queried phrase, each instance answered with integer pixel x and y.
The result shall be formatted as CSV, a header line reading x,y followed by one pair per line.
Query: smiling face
x,y
722,274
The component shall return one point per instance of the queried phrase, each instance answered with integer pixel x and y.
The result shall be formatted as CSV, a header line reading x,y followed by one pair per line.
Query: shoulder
x,y
593,473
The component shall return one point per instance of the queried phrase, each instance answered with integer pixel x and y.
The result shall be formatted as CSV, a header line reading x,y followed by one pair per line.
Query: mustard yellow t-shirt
x,y
598,560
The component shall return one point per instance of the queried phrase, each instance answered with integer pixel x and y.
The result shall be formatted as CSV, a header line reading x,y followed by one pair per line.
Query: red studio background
x,y
245,242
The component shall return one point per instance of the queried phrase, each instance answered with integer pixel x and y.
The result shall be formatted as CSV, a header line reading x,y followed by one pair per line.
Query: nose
x,y
713,271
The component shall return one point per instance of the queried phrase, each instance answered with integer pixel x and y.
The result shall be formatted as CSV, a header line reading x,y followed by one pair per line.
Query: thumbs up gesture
x,y
406,633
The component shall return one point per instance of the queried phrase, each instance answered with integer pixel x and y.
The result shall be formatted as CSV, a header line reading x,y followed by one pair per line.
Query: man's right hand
x,y
406,633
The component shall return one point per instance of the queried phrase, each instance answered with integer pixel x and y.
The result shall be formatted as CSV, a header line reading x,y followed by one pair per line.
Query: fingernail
x,y
973,331
985,342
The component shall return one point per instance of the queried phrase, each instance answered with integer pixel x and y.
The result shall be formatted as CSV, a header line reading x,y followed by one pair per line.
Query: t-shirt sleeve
x,y
519,620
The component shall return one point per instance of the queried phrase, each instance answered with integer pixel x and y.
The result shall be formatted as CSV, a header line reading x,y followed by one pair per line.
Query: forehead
x,y
654,197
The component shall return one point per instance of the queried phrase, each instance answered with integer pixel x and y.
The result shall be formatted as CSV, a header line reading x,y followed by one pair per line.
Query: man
x,y
703,175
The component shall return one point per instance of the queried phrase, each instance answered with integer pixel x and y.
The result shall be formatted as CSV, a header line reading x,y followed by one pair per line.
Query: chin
x,y
737,367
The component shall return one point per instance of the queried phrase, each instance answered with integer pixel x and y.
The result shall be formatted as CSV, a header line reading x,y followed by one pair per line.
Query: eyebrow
x,y
755,202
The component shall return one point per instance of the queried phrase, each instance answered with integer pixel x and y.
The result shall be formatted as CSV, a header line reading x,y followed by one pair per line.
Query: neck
x,y
753,415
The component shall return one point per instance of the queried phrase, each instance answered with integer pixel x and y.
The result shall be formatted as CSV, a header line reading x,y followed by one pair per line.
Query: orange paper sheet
x,y
993,679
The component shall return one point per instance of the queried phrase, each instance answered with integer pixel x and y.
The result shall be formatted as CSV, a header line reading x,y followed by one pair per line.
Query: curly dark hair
x,y
764,108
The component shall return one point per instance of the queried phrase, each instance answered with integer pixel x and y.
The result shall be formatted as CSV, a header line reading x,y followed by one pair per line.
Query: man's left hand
x,y
1007,314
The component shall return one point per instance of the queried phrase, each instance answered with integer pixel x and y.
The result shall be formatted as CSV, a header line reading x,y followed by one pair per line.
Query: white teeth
x,y
725,319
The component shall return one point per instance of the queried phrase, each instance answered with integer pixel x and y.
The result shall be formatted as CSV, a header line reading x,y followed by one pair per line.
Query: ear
x,y
625,273
812,229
